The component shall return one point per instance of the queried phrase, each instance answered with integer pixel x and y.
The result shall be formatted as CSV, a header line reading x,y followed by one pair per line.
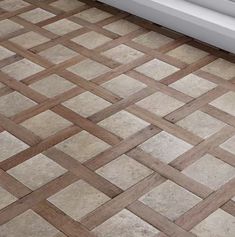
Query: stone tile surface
x,y
7,27
13,5
229,145
6,198
5,53
67,5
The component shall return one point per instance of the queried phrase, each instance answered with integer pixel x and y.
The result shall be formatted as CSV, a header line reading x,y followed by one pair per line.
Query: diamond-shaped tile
x,y
7,27
13,5
156,69
154,104
170,200
37,171
83,146
122,54
93,15
28,224
22,69
229,145
91,40
89,69
201,124
123,85
78,199
62,27
86,104
6,198
124,172
121,27
125,224
165,147
46,123
153,40
123,124
5,53
14,103
218,224
67,5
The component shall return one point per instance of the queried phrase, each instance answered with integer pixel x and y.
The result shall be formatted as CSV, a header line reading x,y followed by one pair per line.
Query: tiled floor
x,y
112,126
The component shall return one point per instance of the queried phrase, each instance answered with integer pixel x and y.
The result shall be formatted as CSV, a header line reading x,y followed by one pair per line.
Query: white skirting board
x,y
188,18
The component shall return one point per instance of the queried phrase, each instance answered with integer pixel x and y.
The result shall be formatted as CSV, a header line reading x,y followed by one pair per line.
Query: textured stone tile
x,y
83,146
1,85
165,147
193,85
154,103
6,198
225,103
221,68
52,85
125,224
7,27
210,171
13,5
28,224
36,15
29,40
201,124
229,145
91,40
67,5
86,104
123,85
170,200
153,40
58,54
22,69
121,27
46,123
89,69
62,27
123,124
122,54
78,199
37,171
5,53
124,172
14,103
93,15
156,69
10,145
218,224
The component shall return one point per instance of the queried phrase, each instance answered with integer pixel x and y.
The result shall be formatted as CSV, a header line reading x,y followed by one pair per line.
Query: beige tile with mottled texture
x,y
229,145
5,53
6,198
13,5
7,27
67,5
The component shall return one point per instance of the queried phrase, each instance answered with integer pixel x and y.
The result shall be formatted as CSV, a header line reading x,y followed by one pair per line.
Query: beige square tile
x,y
170,200
14,103
86,104
10,145
124,172
89,69
1,85
218,224
193,85
123,124
165,147
52,85
221,68
22,69
58,54
225,103
122,54
13,5
67,5
37,171
121,27
187,53
156,69
7,27
83,146
91,40
154,104
28,224
123,86
46,124
36,15
5,53
93,15
78,199
62,27
210,171
201,124
229,145
153,40
125,224
6,198
29,40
